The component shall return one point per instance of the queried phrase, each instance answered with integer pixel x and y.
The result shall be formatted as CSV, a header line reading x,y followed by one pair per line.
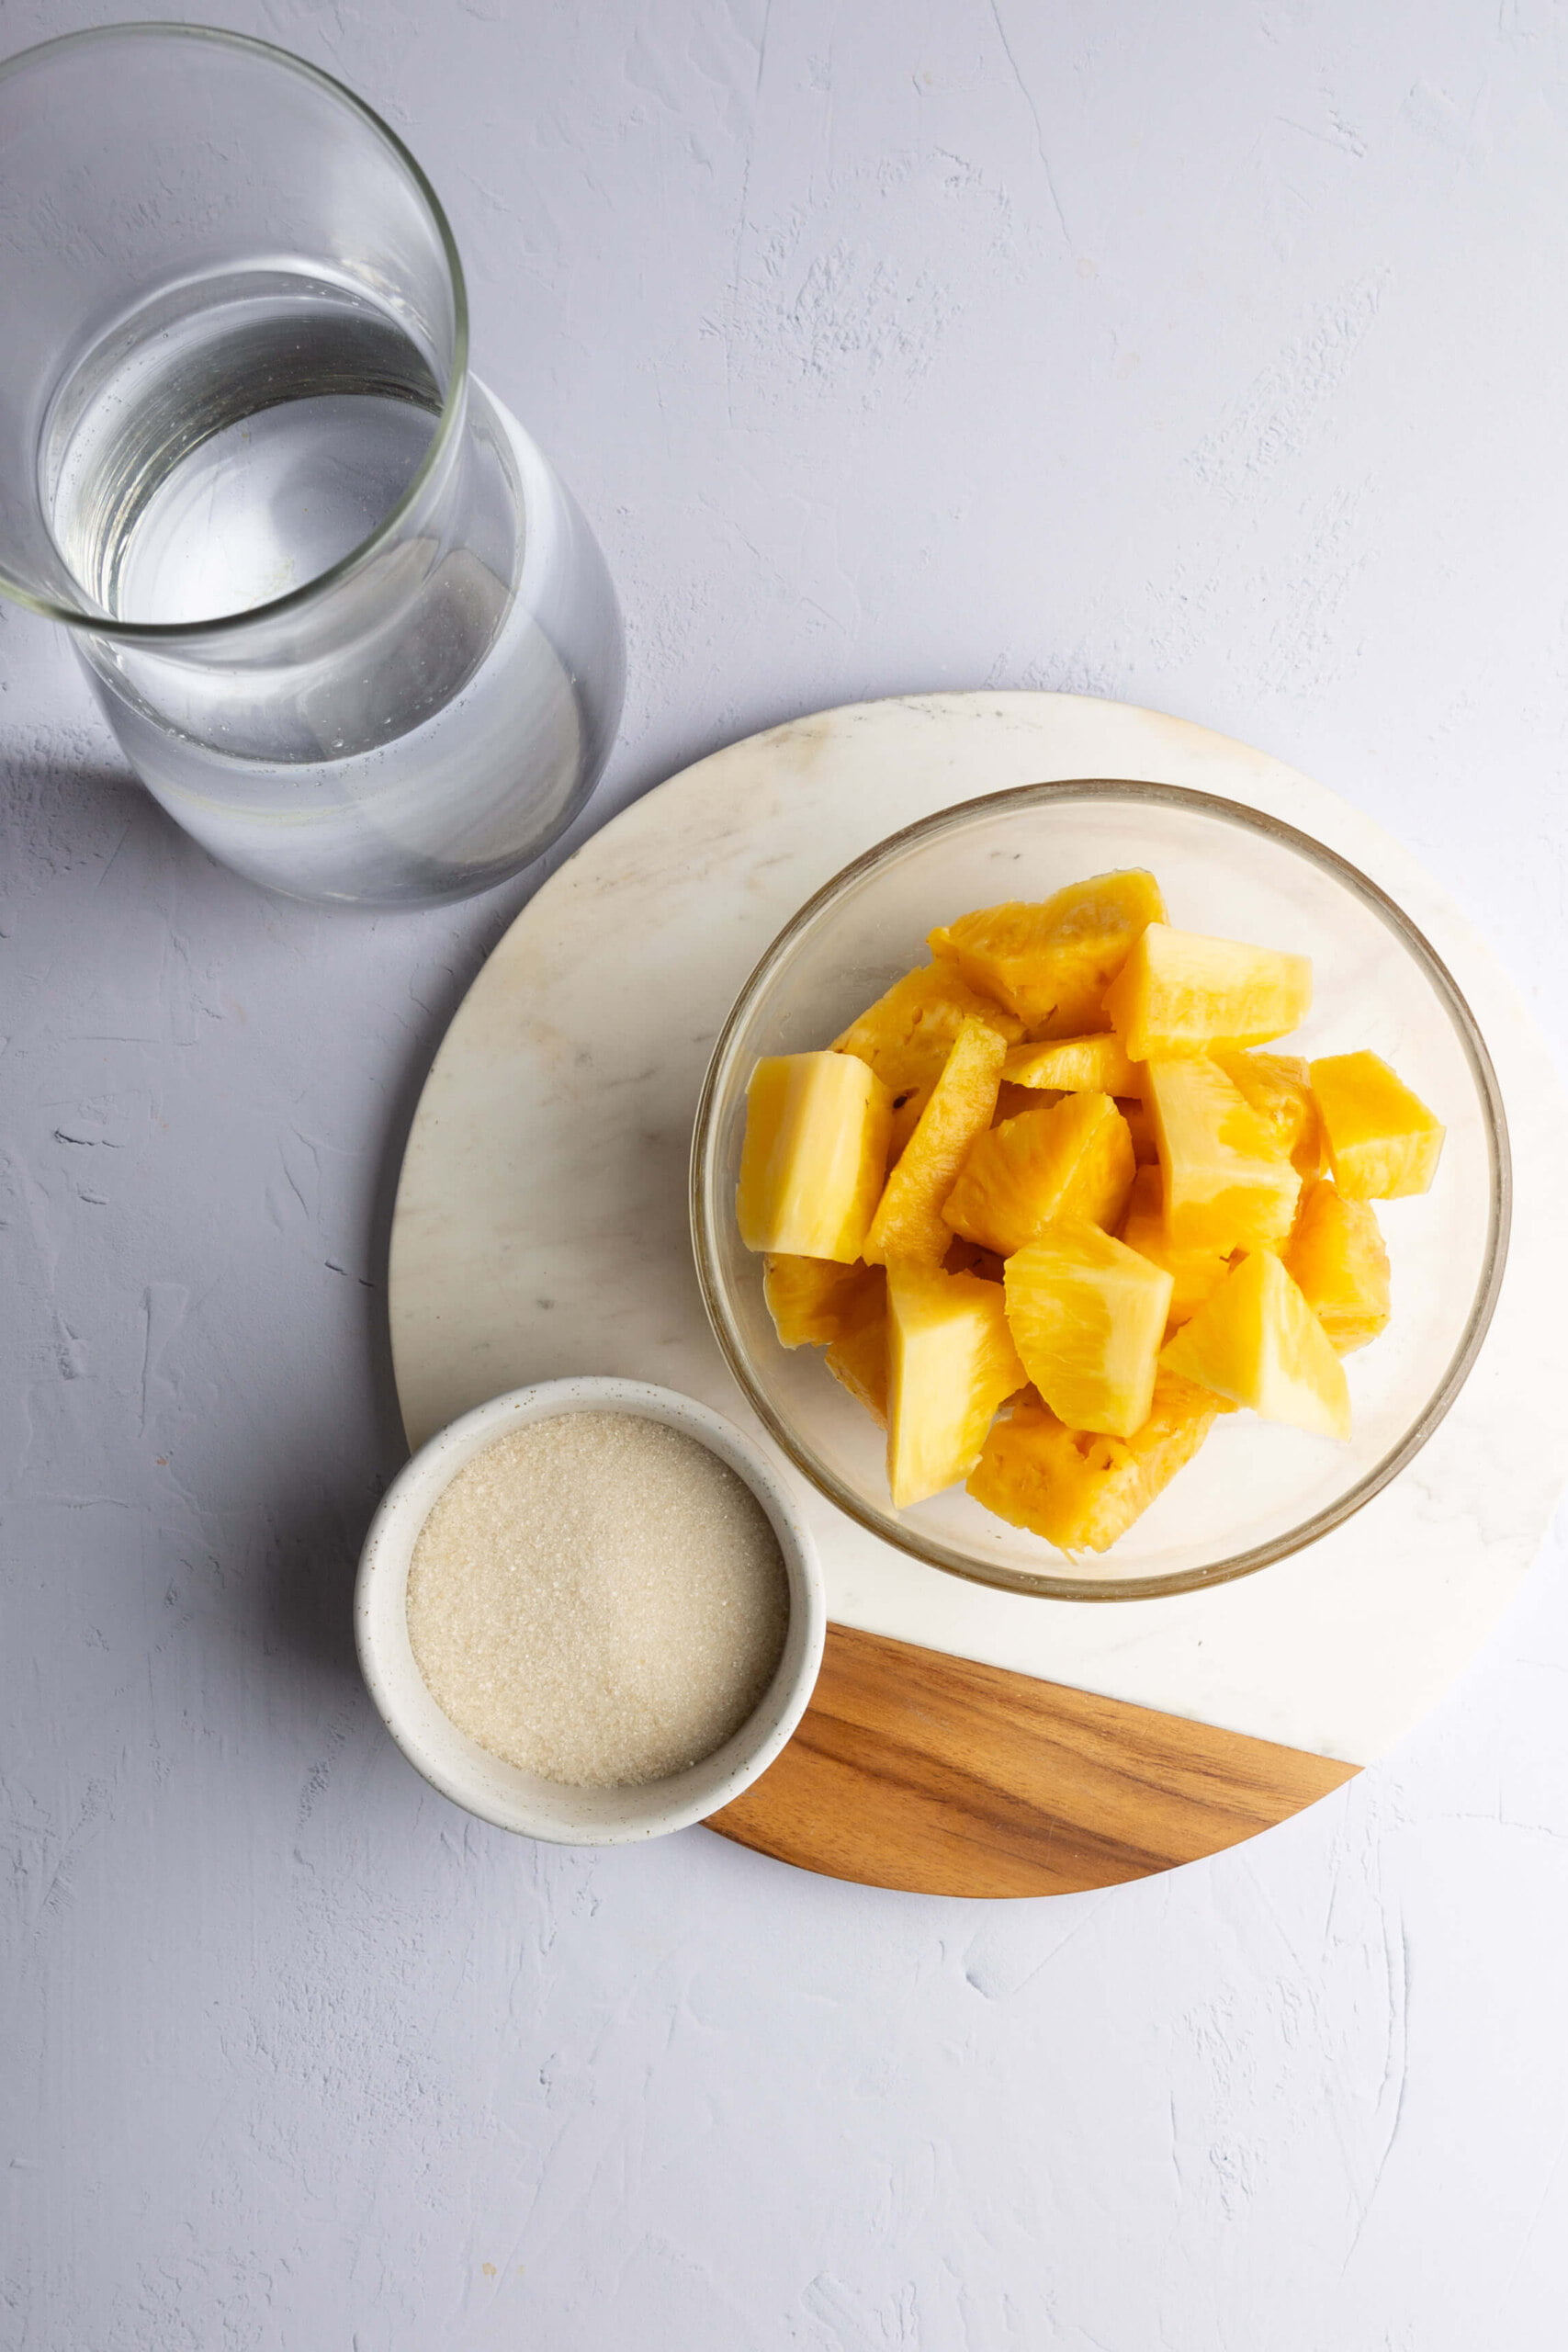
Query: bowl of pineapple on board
x,y
1100,1190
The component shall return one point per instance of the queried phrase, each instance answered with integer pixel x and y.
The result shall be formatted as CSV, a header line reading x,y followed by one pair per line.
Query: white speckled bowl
x,y
500,1793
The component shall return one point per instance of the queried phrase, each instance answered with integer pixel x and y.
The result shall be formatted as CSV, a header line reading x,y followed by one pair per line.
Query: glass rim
x,y
1226,1570
298,599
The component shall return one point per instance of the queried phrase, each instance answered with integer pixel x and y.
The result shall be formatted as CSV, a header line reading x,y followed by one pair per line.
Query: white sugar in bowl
x,y
502,1792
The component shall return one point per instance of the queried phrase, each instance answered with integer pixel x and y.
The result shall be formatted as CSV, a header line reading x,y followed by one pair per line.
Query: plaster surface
x,y
1210,359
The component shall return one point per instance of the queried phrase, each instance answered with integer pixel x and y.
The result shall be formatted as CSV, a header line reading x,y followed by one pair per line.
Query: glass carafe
x,y
348,626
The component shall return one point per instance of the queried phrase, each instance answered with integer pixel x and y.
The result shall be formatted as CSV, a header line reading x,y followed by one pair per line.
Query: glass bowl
x,y
1257,1490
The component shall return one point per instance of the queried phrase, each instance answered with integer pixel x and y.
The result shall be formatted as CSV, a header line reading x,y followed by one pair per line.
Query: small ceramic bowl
x,y
502,1793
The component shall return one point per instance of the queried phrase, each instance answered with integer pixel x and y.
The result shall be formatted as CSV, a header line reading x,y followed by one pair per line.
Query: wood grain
x,y
918,1771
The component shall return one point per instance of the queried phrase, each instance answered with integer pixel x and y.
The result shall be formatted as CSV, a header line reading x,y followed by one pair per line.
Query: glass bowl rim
x,y
1500,1206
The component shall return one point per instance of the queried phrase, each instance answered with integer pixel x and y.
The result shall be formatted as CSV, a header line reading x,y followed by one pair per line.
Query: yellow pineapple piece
x,y
1079,1489
1049,963
1227,1185
1337,1260
1074,1160
1087,1315
1382,1141
951,1362
908,1223
1257,1341
967,1258
858,1357
907,1034
1193,1272
1012,1102
815,1300
814,1155
1181,992
1075,1065
907,1109
1280,1089
1141,1127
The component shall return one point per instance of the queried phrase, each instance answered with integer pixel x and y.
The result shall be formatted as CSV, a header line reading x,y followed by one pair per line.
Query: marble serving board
x,y
541,1229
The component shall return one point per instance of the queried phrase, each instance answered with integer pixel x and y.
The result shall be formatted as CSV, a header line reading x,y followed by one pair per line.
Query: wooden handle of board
x,y
914,1769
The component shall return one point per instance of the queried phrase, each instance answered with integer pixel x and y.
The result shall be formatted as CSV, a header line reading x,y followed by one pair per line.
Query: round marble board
x,y
961,1740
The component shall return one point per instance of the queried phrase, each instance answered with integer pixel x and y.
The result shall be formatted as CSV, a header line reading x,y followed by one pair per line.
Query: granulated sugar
x,y
597,1598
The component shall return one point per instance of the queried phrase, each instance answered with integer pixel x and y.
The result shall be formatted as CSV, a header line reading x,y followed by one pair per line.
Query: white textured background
x,y
1209,355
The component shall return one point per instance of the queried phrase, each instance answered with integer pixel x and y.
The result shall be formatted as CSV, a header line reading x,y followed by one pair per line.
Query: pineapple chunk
x,y
1337,1260
1195,1272
1179,992
908,1223
1280,1089
967,1258
1075,1065
1012,1100
1227,1185
1074,1160
1080,1490
1257,1341
858,1358
951,1362
1141,1127
814,1300
1049,963
907,1034
814,1155
1087,1315
1382,1141
906,1111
